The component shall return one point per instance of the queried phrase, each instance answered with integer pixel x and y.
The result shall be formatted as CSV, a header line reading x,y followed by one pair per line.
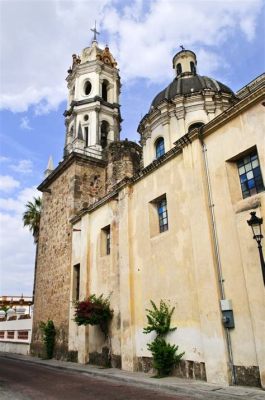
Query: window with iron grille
x,y
250,174
162,215
23,335
160,147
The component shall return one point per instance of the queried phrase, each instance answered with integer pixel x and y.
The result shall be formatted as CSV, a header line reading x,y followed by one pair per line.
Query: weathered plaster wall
x,y
243,280
99,274
179,265
168,265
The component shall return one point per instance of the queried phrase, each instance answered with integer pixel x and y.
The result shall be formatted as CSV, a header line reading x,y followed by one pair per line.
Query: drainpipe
x,y
217,255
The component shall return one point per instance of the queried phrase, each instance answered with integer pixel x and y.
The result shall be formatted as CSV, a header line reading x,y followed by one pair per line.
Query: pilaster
x,y
126,283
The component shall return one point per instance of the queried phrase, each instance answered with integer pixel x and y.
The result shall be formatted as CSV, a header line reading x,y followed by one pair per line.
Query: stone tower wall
x,y
124,160
76,186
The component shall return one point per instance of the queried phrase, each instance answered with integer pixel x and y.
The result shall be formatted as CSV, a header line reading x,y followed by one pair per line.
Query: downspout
x,y
217,255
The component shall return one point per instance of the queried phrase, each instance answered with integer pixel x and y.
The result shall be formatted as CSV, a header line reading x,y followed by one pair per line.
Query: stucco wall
x,y
243,280
179,265
16,345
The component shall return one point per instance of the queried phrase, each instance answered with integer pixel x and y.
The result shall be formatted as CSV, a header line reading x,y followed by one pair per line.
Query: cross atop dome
x,y
94,30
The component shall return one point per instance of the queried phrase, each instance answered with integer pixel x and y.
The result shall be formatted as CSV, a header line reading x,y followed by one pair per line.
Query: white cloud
x,y
8,183
143,44
17,253
4,159
24,124
38,39
17,204
23,167
17,249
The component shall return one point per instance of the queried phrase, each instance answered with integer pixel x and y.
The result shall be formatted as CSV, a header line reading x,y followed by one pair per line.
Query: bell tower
x,y
92,118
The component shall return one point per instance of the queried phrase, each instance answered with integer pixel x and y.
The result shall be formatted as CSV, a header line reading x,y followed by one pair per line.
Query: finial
x,y
95,32
50,167
182,47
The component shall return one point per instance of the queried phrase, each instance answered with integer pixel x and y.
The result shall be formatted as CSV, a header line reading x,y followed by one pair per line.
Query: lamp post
x,y
255,223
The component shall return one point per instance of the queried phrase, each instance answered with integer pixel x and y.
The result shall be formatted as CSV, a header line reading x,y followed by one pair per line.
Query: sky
x,y
37,40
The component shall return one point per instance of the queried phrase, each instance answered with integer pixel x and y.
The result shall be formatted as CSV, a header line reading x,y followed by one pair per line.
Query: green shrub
x,y
48,337
159,319
164,356
94,311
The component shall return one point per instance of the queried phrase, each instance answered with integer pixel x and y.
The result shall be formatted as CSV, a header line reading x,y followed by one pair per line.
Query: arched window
x,y
160,147
192,67
87,88
105,85
195,125
179,69
104,130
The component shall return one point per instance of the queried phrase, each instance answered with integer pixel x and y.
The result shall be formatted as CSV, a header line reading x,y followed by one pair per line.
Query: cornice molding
x,y
234,110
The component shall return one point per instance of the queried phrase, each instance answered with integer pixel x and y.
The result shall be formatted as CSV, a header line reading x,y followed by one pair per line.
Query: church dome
x,y
188,84
189,100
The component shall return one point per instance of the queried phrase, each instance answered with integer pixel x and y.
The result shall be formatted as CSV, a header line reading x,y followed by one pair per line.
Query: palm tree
x,y
31,217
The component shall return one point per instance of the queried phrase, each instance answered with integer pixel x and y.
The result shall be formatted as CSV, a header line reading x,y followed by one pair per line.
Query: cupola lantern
x,y
185,63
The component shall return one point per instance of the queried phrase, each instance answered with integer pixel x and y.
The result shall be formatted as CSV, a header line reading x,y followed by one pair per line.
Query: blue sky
x,y
38,39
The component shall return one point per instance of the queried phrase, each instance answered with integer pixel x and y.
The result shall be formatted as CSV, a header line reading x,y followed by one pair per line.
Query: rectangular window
x,y
23,335
2,334
10,334
86,136
250,175
105,241
76,282
158,215
162,215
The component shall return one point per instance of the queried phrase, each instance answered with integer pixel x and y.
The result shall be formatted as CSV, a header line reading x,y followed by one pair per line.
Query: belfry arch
x,y
104,131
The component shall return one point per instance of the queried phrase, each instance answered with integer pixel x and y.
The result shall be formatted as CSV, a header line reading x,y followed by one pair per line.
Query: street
x,y
24,381
27,378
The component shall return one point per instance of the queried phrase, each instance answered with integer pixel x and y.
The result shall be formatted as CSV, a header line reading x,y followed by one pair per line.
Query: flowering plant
x,y
94,311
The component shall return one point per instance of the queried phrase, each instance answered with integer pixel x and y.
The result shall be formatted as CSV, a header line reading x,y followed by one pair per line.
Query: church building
x,y
163,220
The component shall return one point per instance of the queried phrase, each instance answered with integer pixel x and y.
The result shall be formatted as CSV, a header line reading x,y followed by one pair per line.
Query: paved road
x,y
24,381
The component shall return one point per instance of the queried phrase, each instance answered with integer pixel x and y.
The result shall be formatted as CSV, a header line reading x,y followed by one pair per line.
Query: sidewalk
x,y
197,389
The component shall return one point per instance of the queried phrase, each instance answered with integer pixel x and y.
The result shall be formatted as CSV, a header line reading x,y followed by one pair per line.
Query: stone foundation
x,y
102,359
60,351
185,369
72,356
247,376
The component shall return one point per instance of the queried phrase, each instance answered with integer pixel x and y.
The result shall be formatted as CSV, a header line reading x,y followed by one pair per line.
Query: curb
x,y
182,388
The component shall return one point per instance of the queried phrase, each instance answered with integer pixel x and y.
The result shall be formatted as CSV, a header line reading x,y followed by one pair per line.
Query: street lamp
x,y
255,224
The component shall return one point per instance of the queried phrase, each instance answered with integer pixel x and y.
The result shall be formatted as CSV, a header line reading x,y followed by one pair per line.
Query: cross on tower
x,y
95,32
182,47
